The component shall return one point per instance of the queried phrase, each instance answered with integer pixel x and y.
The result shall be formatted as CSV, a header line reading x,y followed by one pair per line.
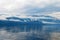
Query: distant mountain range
x,y
47,19
27,24
33,18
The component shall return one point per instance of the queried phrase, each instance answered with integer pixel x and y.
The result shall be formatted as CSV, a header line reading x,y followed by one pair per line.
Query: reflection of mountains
x,y
21,26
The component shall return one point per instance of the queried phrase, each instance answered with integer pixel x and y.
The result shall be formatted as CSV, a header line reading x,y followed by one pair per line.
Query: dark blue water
x,y
28,31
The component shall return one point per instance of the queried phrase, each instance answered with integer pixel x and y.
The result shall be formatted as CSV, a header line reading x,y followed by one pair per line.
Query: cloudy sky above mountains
x,y
24,7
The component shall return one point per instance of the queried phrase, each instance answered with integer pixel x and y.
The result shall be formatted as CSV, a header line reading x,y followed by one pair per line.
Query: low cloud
x,y
28,7
5,35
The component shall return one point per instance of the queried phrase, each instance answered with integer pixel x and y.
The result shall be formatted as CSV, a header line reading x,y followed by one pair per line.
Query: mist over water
x,y
28,32
22,32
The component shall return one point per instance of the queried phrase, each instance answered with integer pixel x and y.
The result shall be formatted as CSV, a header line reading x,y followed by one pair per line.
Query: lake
x,y
30,32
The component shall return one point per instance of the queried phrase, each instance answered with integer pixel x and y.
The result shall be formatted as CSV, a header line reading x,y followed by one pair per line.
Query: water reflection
x,y
29,32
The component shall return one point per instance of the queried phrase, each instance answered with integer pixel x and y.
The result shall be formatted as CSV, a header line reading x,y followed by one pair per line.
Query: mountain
x,y
50,19
40,18
23,24
31,18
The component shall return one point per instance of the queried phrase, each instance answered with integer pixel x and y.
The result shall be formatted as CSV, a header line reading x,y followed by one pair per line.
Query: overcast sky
x,y
24,7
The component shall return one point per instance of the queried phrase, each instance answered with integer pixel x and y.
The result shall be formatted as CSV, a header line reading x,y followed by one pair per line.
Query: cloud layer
x,y
24,7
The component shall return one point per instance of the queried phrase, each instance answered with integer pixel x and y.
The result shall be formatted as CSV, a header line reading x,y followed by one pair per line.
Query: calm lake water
x,y
29,32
